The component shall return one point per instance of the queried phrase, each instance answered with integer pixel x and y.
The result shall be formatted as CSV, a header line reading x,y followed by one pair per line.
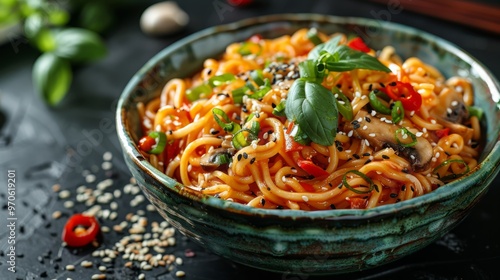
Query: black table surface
x,y
40,144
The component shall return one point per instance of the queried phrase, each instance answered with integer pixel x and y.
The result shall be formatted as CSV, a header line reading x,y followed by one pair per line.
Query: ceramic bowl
x,y
321,242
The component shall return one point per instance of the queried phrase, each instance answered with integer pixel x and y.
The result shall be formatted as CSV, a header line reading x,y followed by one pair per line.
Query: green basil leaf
x,y
45,40
79,45
314,109
33,25
52,77
348,59
328,46
58,17
96,16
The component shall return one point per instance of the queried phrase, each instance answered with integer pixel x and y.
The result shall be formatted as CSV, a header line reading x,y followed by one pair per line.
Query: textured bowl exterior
x,y
321,242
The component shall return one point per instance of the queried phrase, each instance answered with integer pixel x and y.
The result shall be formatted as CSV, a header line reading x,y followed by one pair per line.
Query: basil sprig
x,y
311,106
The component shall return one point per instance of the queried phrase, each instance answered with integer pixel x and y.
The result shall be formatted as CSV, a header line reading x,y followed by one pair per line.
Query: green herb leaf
x,y
314,109
79,45
347,59
329,46
96,16
33,25
52,77
279,110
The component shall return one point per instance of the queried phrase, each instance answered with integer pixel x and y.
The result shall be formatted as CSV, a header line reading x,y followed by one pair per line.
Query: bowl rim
x,y
130,150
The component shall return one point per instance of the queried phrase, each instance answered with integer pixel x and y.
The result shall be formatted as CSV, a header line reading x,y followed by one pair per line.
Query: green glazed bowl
x,y
321,242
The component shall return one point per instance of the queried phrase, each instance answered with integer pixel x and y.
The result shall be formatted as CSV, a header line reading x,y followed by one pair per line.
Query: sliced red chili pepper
x,y
404,92
357,202
146,143
358,44
80,230
308,187
311,168
290,144
443,132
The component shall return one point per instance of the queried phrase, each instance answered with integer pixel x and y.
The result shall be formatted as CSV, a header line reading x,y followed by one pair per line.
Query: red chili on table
x,y
80,230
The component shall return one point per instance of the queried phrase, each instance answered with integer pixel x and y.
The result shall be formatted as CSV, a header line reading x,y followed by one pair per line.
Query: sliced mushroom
x,y
381,135
215,158
451,106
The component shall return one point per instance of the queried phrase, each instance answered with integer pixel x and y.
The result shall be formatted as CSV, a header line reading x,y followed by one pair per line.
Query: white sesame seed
x,y
69,204
64,194
107,156
102,268
56,215
433,121
365,127
117,193
86,263
412,113
419,134
367,143
424,130
150,208
373,113
113,205
454,103
382,119
360,119
141,276
305,198
449,111
372,135
70,267
437,154
90,178
350,133
180,273
178,261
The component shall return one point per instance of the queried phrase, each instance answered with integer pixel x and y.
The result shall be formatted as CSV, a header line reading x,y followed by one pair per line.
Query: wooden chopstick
x,y
478,15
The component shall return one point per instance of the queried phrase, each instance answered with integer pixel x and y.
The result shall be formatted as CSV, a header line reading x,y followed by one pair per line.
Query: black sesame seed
x,y
279,207
366,154
245,155
370,87
382,84
398,200
393,84
332,206
209,71
394,195
403,188
273,105
263,202
412,189
44,274
268,188
252,160
368,119
239,157
214,132
385,157
356,156
257,115
368,161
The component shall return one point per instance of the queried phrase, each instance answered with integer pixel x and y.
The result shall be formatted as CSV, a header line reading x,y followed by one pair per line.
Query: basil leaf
x,y
96,16
347,59
314,109
328,46
79,45
51,77
33,25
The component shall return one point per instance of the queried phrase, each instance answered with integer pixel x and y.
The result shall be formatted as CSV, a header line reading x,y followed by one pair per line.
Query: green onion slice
x,y
344,104
221,79
248,48
279,110
201,91
476,112
362,175
312,35
225,123
257,77
452,176
404,131
239,93
161,142
397,112
376,104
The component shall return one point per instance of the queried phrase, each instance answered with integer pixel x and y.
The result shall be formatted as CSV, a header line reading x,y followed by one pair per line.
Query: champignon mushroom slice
x,y
381,135
451,106
211,161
